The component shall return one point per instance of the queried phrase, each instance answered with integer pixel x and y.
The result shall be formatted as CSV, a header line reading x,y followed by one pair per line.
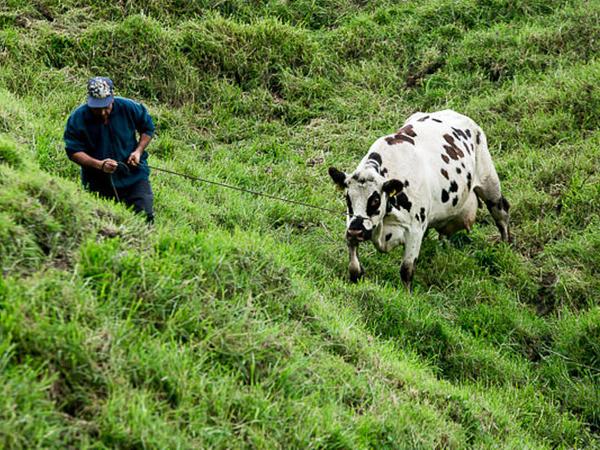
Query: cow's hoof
x,y
355,276
407,271
507,237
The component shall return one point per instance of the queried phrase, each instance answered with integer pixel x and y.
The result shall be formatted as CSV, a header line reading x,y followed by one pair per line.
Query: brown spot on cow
x,y
408,129
404,134
399,138
453,151
445,158
445,174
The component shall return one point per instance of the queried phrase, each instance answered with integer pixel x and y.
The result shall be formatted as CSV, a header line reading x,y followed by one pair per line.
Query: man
x,y
102,137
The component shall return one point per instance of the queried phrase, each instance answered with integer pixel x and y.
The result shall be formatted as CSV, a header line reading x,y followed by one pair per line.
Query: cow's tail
x,y
485,175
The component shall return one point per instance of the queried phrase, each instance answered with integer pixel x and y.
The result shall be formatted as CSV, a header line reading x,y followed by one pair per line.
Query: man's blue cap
x,y
100,92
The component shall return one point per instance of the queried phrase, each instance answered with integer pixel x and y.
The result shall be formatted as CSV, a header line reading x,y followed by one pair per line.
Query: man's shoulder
x,y
77,116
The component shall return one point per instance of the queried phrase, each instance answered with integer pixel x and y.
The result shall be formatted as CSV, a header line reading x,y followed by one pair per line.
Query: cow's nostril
x,y
353,232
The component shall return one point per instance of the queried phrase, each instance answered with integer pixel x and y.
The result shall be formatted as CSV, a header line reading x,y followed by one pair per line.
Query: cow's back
x,y
436,154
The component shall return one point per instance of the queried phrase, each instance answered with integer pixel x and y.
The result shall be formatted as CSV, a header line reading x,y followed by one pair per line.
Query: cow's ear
x,y
392,187
338,177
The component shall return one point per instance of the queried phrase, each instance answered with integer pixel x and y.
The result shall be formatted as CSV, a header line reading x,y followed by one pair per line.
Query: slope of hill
x,y
230,324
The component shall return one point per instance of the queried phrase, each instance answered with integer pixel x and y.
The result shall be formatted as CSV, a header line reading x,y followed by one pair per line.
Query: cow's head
x,y
366,194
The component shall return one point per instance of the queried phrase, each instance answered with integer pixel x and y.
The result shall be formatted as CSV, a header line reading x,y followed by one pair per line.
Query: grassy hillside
x,y
231,323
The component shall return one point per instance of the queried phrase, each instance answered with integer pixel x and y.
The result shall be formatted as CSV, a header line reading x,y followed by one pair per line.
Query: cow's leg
x,y
412,247
354,267
488,190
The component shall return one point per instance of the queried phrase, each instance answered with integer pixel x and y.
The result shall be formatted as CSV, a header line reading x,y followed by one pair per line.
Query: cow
x,y
430,174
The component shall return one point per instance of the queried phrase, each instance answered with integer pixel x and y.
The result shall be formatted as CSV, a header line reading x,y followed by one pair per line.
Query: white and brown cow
x,y
427,175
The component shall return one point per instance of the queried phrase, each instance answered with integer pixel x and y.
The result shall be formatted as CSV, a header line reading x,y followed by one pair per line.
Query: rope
x,y
110,177
249,191
121,167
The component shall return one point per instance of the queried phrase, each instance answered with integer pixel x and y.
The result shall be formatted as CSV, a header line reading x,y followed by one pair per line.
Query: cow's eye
x,y
373,204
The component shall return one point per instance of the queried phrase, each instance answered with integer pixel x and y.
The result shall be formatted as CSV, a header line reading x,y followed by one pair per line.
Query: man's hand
x,y
134,158
108,165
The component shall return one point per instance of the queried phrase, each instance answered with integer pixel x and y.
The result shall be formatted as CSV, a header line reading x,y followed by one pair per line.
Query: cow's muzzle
x,y
357,231
358,235
355,235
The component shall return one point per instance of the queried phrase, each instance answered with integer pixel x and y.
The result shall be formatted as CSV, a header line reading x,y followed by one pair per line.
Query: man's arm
x,y
134,158
145,127
75,146
83,159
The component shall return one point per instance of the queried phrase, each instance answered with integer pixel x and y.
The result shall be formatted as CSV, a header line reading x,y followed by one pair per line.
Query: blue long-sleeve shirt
x,y
85,132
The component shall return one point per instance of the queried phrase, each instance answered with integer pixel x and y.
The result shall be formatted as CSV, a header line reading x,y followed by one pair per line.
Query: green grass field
x,y
231,323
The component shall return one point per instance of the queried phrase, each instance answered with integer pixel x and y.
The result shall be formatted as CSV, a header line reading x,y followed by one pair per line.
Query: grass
x,y
231,324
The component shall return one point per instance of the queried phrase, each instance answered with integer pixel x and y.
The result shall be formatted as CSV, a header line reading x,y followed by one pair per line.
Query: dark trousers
x,y
138,196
